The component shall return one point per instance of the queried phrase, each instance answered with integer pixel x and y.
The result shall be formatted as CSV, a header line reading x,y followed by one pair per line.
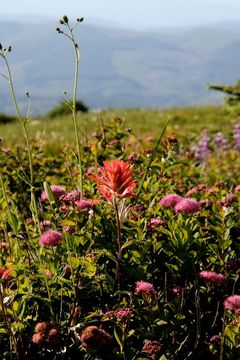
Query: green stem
x,y
26,137
119,240
74,100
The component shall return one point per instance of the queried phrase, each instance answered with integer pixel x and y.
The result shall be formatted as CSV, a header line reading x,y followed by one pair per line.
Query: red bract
x,y
5,273
115,180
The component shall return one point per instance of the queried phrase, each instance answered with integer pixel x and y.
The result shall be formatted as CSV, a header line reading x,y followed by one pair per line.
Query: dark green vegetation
x,y
64,108
120,68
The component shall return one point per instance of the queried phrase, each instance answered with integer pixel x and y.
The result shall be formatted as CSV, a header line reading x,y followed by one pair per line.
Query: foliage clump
x,y
64,108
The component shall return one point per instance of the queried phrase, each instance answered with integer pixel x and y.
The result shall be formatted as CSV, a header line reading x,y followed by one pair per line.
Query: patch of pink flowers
x,y
170,200
196,189
143,287
154,223
152,347
178,290
45,224
188,206
57,191
120,314
50,238
71,197
237,188
232,303
212,277
86,204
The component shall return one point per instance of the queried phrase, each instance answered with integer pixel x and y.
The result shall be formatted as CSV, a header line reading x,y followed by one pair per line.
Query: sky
x,y
134,14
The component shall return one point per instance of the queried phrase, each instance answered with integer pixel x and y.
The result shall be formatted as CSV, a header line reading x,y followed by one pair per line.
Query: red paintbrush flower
x,y
115,180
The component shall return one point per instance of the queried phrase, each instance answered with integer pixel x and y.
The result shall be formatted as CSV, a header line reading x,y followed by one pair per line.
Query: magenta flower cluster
x,y
144,287
50,238
212,277
180,204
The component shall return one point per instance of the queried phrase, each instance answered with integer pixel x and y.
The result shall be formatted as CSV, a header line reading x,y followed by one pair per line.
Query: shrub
x,y
63,109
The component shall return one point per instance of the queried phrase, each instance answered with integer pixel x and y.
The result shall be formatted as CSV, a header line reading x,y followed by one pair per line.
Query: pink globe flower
x,y
212,277
232,303
237,188
188,206
170,200
57,191
86,204
144,287
50,238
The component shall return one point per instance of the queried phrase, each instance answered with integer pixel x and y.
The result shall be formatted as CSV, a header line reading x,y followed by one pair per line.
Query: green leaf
x,y
118,334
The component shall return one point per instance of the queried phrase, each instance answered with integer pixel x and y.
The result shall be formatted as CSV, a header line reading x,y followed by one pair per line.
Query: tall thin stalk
x,y
70,35
23,124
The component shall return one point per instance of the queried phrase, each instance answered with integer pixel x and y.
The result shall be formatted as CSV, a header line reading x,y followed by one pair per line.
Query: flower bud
x,y
61,21
0,46
80,19
65,19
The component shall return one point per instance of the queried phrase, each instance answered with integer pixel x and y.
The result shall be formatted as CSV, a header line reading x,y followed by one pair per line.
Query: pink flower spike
x,y
144,287
212,277
50,238
187,206
170,200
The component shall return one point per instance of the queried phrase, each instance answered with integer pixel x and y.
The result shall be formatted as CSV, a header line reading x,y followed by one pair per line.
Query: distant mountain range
x,y
119,68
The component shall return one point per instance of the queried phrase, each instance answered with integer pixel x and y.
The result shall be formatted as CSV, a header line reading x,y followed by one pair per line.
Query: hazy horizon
x,y
134,15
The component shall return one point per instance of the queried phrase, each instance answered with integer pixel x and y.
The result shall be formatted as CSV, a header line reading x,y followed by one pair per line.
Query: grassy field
x,y
185,122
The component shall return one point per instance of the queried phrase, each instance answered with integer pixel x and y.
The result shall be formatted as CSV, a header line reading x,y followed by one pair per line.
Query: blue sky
x,y
131,13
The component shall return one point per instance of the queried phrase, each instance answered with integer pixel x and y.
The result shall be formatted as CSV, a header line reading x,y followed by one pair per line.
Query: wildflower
x,y
178,290
214,339
144,287
170,200
69,229
86,204
204,203
196,189
120,314
94,338
237,188
236,136
50,238
212,277
154,223
221,141
5,274
187,206
57,191
46,333
232,303
45,224
71,197
115,180
152,347
203,149
4,245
